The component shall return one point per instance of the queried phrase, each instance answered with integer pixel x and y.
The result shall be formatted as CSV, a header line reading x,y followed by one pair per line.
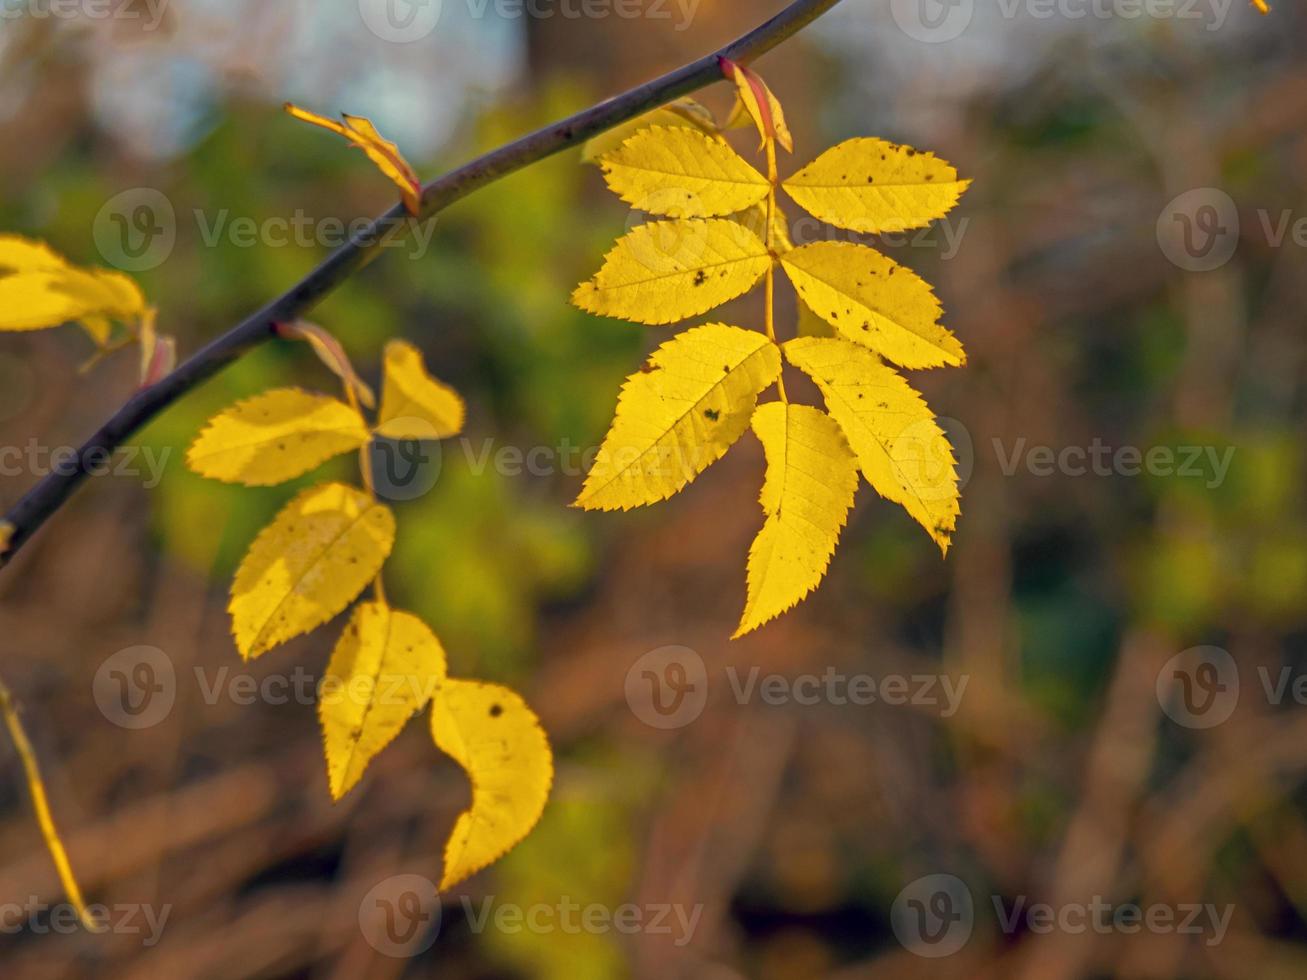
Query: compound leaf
x,y
679,414
274,437
385,668
497,739
682,173
307,565
666,271
873,301
871,186
903,452
811,481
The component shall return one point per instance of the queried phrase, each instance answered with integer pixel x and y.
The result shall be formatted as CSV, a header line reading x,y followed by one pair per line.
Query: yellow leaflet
x,y
307,565
874,302
682,173
385,668
685,113
1262,6
901,449
41,298
274,437
414,405
679,414
811,479
382,152
756,100
497,739
666,271
18,254
870,185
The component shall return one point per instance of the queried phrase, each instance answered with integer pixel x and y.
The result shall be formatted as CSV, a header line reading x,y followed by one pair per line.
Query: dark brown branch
x,y
37,506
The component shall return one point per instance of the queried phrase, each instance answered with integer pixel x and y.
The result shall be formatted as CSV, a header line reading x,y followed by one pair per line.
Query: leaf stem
x,y
41,804
769,313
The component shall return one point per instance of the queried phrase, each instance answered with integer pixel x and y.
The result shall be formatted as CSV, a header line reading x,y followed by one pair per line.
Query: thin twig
x,y
43,500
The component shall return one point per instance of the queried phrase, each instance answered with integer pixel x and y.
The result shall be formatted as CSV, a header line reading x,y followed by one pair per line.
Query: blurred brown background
x,y
1121,619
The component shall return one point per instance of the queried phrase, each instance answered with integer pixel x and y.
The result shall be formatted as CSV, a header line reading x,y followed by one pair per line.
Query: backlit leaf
x,y
871,186
679,414
682,173
274,437
900,447
666,271
414,405
40,298
385,668
319,552
382,152
497,739
811,481
874,302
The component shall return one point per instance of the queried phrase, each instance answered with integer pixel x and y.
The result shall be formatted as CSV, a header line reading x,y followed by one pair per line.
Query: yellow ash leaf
x,y
680,414
666,271
274,437
872,186
811,480
756,101
42,298
873,301
903,453
319,552
414,405
682,173
497,739
381,151
385,668
18,254
1262,6
683,113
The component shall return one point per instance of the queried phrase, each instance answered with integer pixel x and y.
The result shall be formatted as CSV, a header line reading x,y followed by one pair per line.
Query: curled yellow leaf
x,y
319,552
811,481
755,101
382,152
497,739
